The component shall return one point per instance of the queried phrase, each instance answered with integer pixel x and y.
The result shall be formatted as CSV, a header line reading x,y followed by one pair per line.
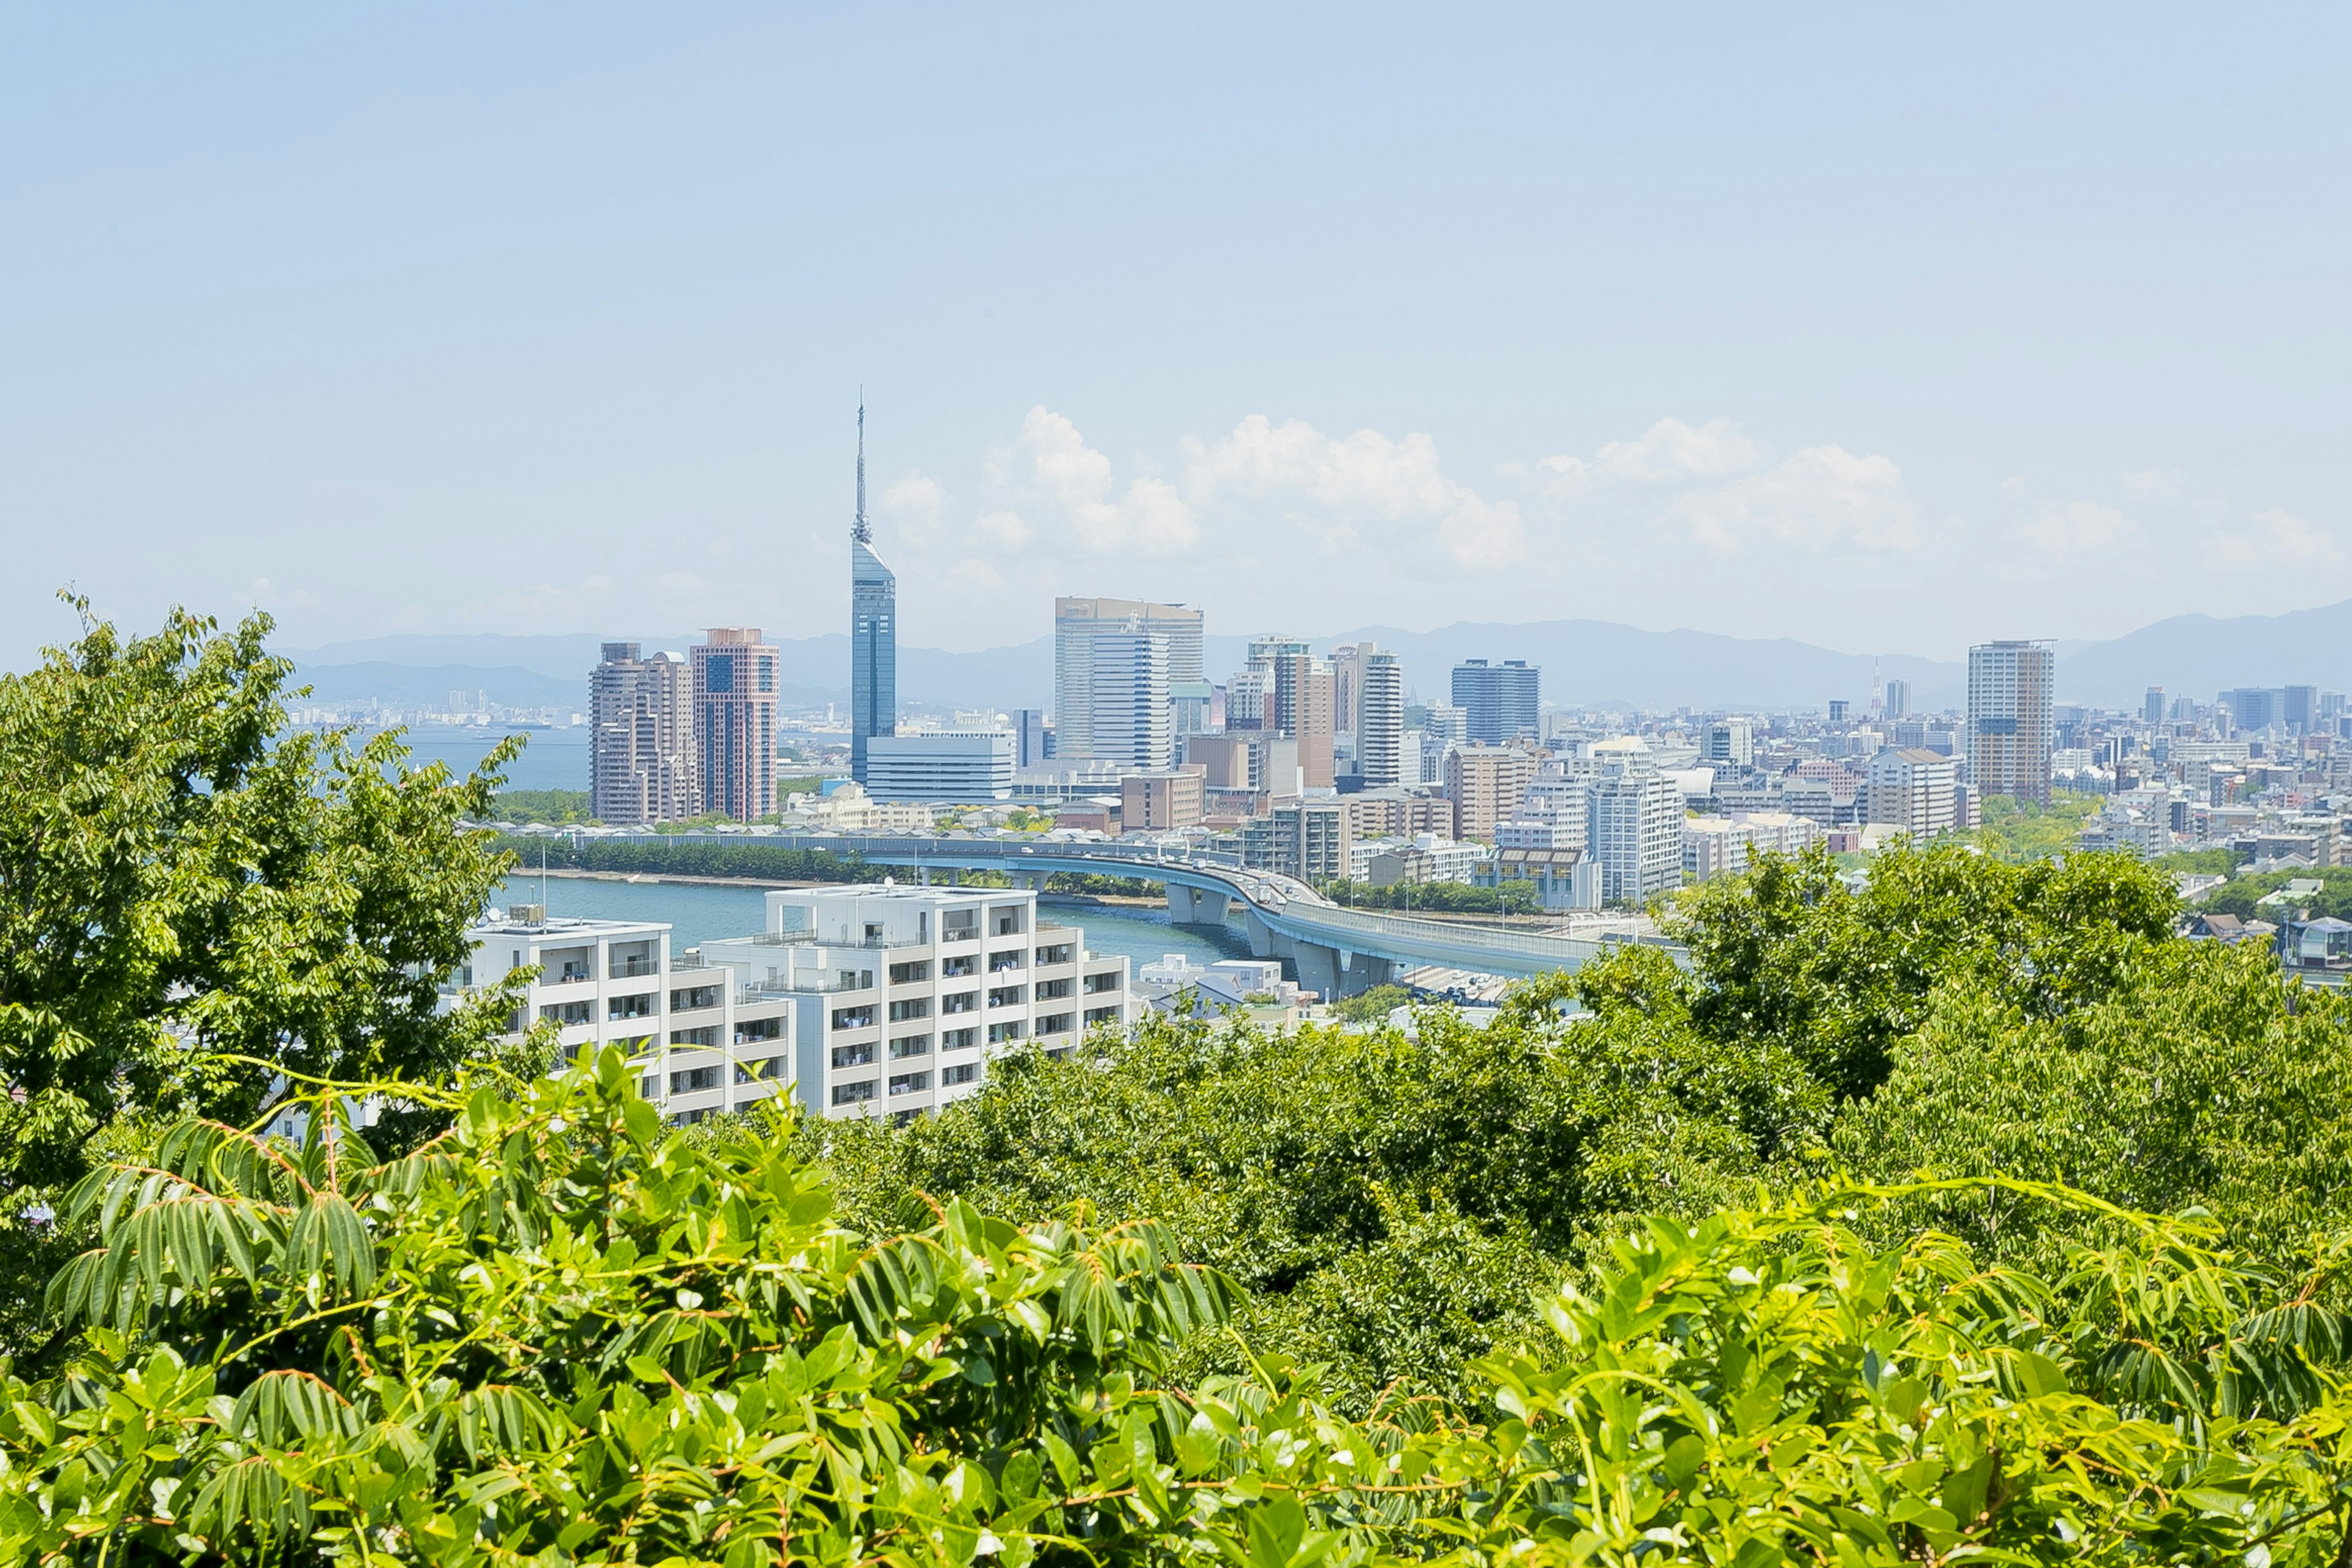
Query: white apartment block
x,y
1913,791
1634,828
902,995
699,1043
1714,846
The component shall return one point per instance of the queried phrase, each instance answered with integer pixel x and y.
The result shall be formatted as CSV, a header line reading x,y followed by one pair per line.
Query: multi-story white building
x,y
1714,846
1129,701
901,995
1912,790
1077,623
699,1043
1634,827
955,767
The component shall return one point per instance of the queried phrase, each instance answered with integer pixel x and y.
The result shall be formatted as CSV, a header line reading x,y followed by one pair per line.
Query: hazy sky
x,y
1888,327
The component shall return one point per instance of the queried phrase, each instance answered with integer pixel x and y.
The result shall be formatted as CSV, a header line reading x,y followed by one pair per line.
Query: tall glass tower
x,y
873,631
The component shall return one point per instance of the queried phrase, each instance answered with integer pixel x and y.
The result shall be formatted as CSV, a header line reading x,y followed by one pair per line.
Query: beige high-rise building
x,y
1077,624
2010,733
1487,784
641,711
1302,710
734,722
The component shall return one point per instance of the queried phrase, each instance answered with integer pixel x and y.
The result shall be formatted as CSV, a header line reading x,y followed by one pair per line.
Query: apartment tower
x,y
641,711
2010,686
1379,720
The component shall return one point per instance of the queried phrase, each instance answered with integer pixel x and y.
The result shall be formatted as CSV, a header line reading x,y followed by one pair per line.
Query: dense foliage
x,y
560,807
2017,831
1518,898
559,1333
193,900
2241,895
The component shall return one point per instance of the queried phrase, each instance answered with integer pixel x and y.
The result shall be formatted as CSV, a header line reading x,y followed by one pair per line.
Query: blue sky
x,y
1889,328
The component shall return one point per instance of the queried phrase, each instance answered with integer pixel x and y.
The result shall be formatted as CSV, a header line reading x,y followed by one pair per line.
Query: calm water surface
x,y
698,913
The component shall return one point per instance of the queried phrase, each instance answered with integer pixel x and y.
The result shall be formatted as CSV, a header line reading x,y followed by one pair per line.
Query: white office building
x,y
699,1042
944,767
1378,714
1129,701
902,995
1079,627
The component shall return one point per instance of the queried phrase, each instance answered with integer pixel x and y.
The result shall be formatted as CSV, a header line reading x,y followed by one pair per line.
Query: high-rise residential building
x,y
1728,743
1898,699
1380,720
2010,720
873,631
1249,699
1499,701
1634,829
1077,625
2299,709
734,677
642,714
1912,790
1487,784
1126,683
1347,685
1302,710
2151,708
1841,710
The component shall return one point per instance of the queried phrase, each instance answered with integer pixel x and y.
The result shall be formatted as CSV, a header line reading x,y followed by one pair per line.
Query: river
x,y
697,911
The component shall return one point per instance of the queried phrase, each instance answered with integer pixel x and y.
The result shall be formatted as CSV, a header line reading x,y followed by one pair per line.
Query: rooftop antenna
x,y
861,532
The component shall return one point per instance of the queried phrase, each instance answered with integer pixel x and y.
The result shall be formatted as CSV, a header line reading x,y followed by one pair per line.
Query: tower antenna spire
x,y
861,531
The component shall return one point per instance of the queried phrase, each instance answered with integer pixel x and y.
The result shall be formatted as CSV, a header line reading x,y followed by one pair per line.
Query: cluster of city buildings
x,y
882,999
1324,766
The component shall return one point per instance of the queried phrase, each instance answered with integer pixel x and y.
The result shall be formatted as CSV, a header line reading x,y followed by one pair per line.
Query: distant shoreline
x,y
553,873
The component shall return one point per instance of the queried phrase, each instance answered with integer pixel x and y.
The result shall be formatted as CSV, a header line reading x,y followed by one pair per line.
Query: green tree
x,y
196,901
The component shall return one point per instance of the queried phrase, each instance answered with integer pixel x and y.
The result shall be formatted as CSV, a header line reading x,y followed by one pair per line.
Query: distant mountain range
x,y
1584,663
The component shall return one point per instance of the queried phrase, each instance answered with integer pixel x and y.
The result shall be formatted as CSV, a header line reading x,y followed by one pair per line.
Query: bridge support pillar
x,y
1209,909
1319,969
1182,906
1261,936
1361,971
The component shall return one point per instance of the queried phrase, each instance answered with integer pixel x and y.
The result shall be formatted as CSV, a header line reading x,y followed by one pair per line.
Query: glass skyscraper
x,y
873,631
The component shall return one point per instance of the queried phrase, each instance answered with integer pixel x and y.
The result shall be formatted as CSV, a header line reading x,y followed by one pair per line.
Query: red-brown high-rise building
x,y
735,723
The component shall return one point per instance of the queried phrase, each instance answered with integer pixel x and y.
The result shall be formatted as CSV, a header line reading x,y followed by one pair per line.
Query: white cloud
x,y
2276,538
1060,492
1821,500
2156,484
1668,452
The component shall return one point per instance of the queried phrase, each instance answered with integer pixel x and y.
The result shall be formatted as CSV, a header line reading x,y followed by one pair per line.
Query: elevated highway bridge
x,y
1336,951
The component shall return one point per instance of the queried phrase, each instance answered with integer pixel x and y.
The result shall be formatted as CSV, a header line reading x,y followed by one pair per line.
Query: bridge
x,y
1336,951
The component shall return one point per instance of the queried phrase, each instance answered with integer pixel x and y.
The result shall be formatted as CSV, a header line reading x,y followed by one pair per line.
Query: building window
x,y
910,1046
1055,1024
910,1007
1060,953
706,1038
694,997
1101,1016
1007,922
1054,990
959,1040
998,963
640,1006
752,1031
688,1118
1098,983
1011,1029
955,968
961,1002
854,1017
693,1080
908,973
566,1013
853,1055
909,1082
960,925
752,1072
962,1072
853,1093
1007,996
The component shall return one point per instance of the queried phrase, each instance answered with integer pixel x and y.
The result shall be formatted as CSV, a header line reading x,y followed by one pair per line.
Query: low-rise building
x,y
1160,802
901,995
958,767
699,1042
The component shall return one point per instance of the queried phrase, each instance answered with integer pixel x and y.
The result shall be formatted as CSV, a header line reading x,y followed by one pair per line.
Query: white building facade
x,y
944,766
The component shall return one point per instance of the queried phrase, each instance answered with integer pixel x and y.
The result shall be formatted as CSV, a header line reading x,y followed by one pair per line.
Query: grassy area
x,y
2016,831
561,807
